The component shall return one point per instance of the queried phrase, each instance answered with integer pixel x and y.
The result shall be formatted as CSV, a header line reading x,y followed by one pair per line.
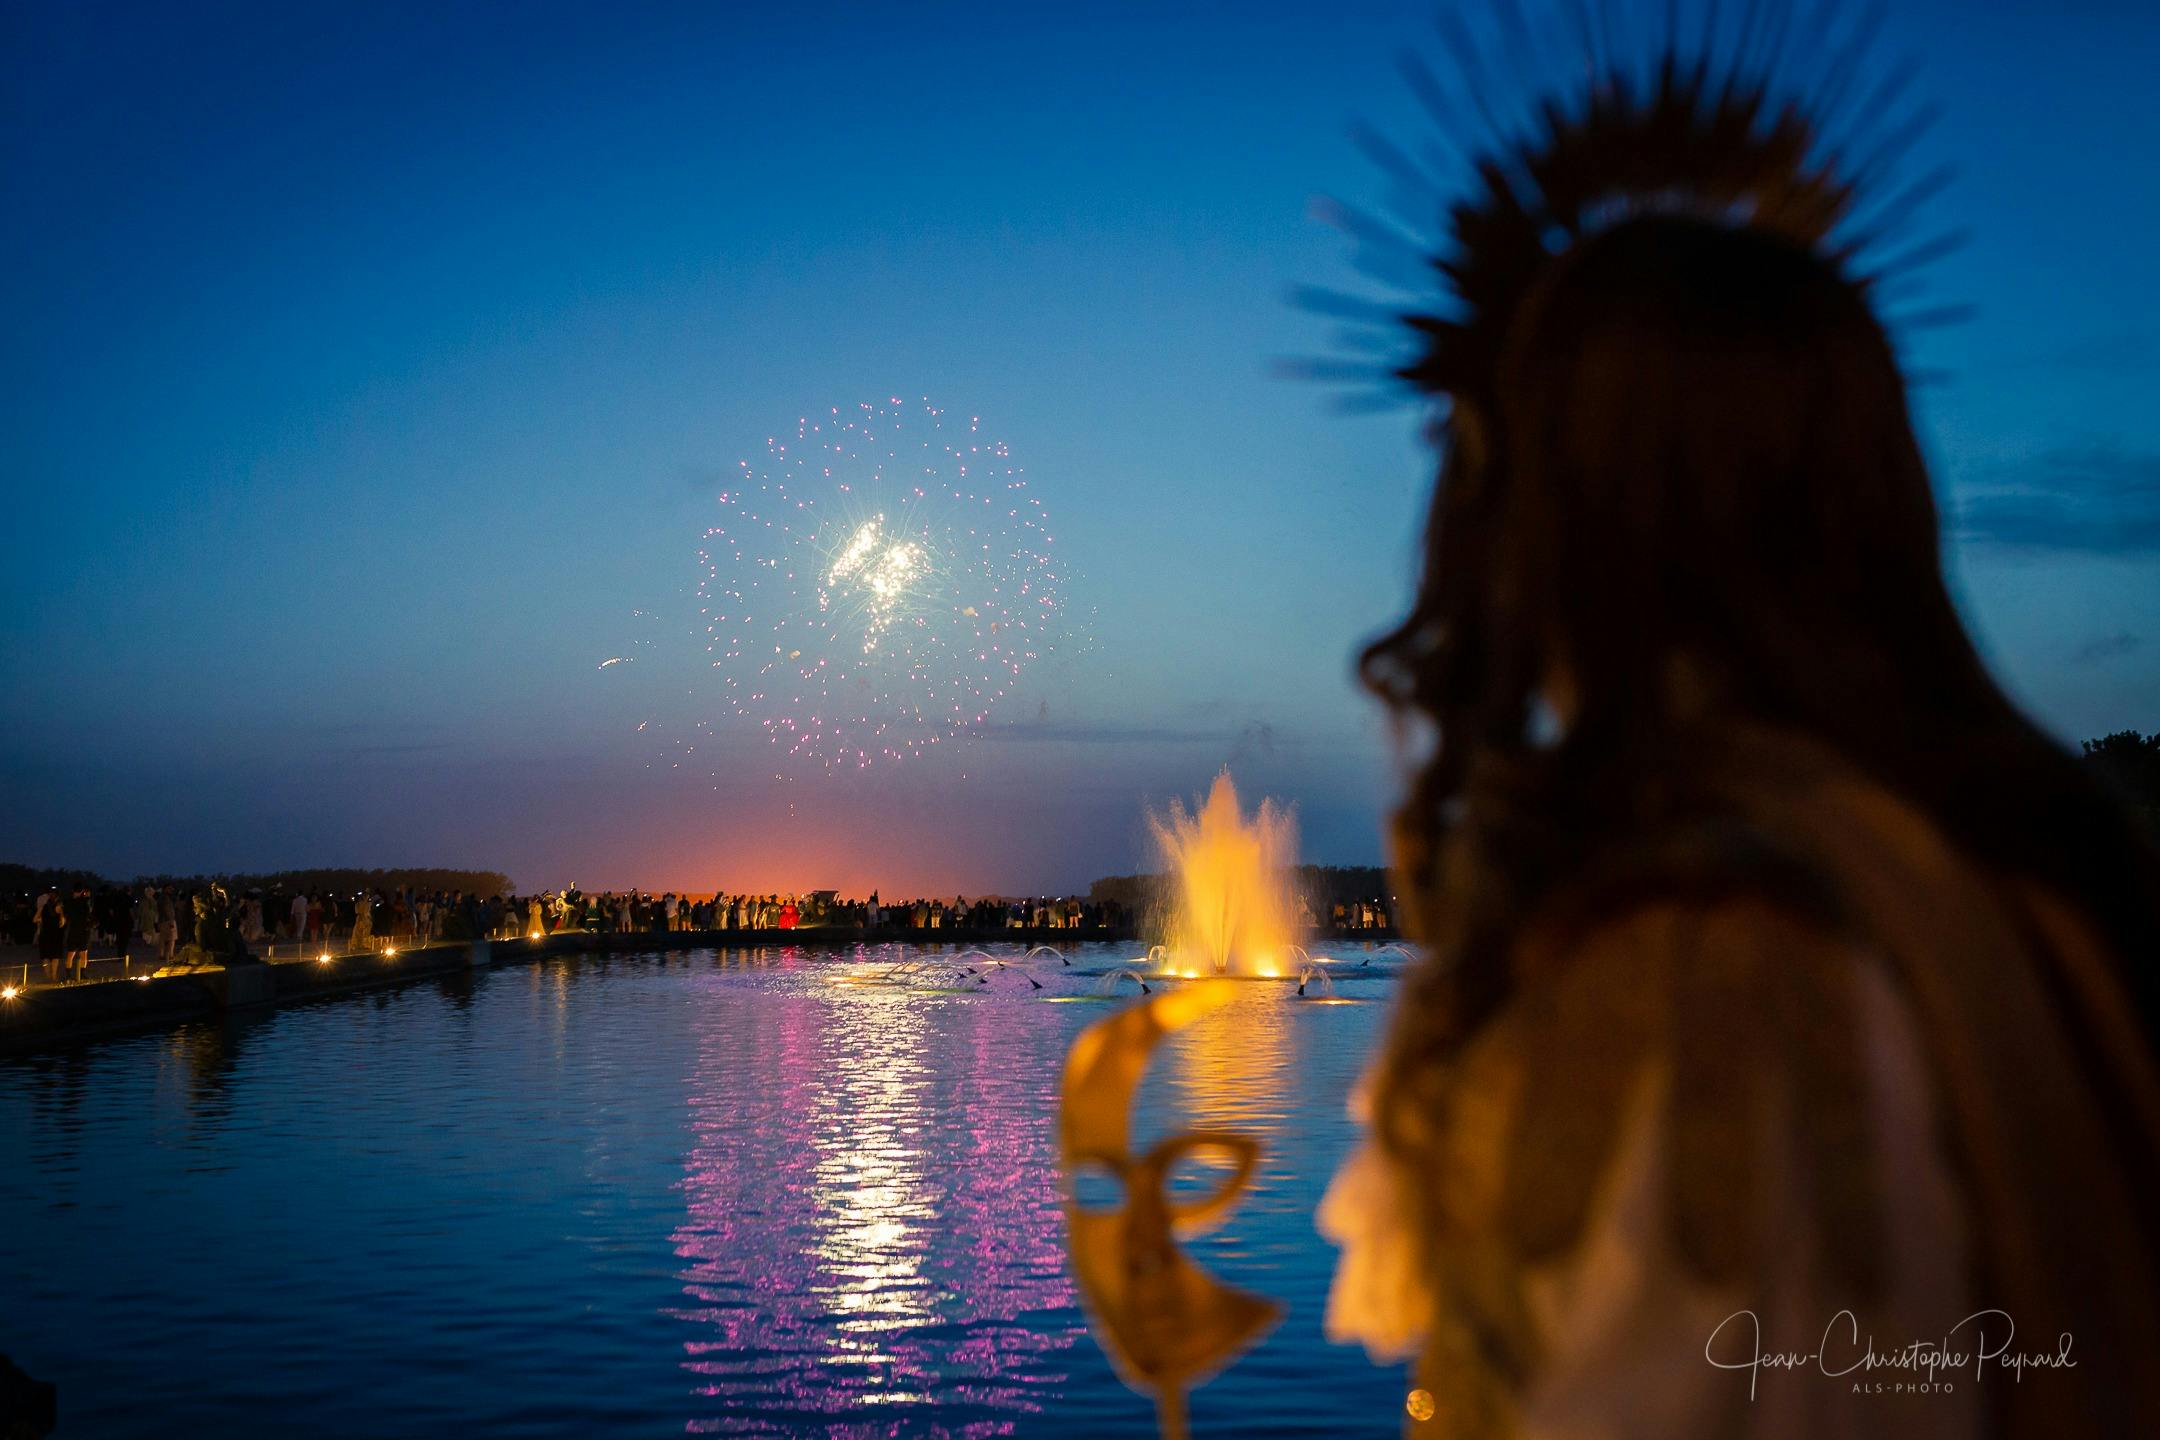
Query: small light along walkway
x,y
22,973
133,994
124,995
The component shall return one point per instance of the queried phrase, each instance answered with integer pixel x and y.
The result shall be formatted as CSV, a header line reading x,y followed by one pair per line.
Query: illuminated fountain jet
x,y
1232,910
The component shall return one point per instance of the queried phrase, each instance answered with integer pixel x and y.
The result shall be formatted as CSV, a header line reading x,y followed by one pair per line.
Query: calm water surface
x,y
706,1193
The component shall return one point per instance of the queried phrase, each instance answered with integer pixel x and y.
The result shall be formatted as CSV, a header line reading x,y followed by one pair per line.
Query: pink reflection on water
x,y
873,1243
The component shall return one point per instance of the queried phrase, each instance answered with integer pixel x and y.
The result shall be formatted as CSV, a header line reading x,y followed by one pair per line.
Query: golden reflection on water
x,y
869,1202
1227,1070
871,1209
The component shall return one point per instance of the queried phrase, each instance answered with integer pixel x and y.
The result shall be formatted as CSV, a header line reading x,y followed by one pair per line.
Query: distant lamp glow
x,y
323,959
389,952
8,992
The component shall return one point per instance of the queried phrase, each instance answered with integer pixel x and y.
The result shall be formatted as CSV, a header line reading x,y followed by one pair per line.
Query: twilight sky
x,y
371,370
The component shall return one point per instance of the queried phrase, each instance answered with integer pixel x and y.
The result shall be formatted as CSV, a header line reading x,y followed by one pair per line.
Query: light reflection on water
x,y
706,1193
872,1213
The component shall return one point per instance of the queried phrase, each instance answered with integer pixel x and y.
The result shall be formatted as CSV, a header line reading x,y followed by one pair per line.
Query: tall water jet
x,y
1231,908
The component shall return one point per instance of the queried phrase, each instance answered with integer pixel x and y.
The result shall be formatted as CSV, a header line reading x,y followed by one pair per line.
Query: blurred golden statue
x,y
1166,1324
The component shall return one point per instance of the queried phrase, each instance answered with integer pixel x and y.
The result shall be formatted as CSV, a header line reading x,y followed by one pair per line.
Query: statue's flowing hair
x,y
1678,478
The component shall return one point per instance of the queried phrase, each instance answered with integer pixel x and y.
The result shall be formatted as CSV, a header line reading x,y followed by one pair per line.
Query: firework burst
x,y
878,584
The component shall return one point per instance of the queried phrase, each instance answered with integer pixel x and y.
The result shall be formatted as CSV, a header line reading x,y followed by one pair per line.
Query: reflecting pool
x,y
777,1191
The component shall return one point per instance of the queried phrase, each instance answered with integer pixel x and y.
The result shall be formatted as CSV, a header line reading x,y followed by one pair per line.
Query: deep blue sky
x,y
368,367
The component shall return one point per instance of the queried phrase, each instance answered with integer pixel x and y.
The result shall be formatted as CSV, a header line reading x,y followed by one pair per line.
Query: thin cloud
x,y
1042,732
2107,647
1197,722
2107,352
1257,738
2112,353
2095,501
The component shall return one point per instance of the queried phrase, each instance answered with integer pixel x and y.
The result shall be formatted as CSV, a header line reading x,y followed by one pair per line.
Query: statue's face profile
x,y
1165,1323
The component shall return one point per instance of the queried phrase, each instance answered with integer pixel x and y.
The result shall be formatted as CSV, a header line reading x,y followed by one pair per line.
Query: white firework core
x,y
878,584
880,570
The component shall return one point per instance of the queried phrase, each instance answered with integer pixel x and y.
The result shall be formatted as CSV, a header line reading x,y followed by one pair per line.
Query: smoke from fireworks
x,y
877,584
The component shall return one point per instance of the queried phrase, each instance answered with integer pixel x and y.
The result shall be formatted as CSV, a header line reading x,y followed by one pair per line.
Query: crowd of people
x,y
169,923
1360,915
571,910
180,923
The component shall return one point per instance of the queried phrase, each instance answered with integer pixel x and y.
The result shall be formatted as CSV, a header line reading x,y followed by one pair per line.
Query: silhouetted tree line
x,y
25,879
482,883
1135,892
32,880
2130,764
1322,886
